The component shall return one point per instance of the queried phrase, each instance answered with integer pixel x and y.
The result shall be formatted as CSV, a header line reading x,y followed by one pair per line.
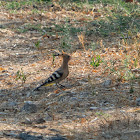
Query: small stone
x,y
9,105
45,68
11,134
12,104
98,79
105,103
138,101
28,94
113,89
123,137
93,108
48,117
25,136
57,138
72,99
81,116
29,107
39,120
3,71
105,108
103,51
40,127
107,83
3,113
10,68
4,74
27,121
106,136
94,120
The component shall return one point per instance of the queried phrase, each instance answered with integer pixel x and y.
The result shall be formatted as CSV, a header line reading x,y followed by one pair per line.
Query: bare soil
x,y
85,109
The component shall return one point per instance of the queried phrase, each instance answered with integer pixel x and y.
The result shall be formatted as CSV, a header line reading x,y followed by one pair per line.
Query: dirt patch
x,y
94,105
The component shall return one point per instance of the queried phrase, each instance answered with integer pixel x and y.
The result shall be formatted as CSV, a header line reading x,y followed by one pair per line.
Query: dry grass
x,y
116,115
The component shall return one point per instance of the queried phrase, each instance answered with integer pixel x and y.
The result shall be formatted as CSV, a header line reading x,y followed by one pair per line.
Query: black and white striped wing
x,y
54,77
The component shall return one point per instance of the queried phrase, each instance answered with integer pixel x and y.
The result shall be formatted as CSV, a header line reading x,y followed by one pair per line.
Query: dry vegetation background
x,y
102,95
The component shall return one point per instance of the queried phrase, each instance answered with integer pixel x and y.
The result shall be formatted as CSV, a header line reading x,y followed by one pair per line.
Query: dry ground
x,y
86,108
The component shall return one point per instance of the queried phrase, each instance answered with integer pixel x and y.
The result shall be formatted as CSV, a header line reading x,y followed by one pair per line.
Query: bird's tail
x,y
37,88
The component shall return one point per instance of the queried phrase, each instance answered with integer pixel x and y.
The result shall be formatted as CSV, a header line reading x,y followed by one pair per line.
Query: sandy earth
x,y
86,109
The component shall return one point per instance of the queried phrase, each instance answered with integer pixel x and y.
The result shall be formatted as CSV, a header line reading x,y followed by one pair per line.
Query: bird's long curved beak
x,y
56,54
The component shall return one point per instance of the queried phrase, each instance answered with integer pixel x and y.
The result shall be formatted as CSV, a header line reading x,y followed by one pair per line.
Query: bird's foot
x,y
60,86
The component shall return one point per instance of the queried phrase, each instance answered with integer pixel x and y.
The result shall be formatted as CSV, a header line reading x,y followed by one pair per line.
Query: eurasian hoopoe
x,y
59,74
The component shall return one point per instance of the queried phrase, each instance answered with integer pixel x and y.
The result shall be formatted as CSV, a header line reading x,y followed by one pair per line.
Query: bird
x,y
60,74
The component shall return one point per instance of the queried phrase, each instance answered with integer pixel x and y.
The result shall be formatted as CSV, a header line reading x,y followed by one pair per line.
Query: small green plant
x,y
20,75
13,5
111,67
96,61
37,44
65,43
131,90
35,11
16,5
93,46
66,39
30,27
53,59
135,62
99,113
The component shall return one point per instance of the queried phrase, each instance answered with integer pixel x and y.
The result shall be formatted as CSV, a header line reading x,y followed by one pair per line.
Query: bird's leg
x,y
59,85
62,86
